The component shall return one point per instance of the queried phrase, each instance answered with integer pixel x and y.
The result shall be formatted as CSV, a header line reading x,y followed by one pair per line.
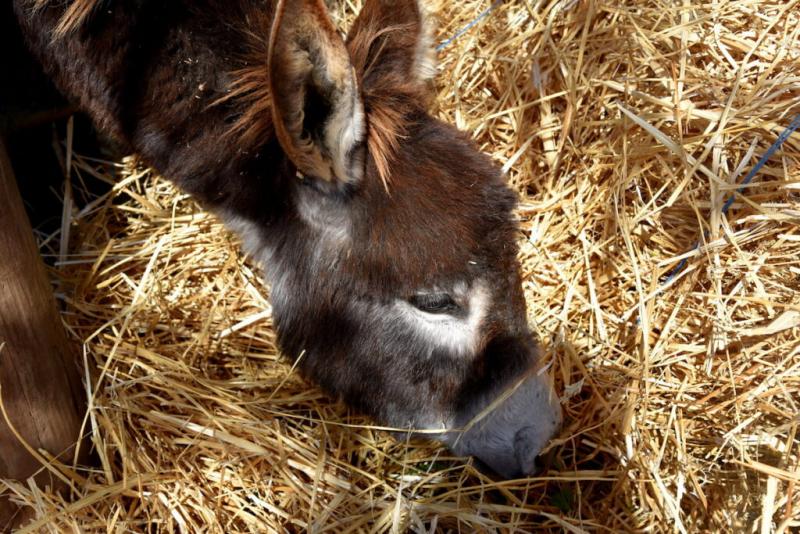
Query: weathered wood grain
x,y
38,370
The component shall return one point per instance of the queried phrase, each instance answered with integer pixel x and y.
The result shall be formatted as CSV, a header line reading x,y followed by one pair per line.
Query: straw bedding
x,y
623,125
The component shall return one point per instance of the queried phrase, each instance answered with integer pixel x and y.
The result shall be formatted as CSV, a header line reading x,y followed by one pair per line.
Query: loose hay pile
x,y
623,125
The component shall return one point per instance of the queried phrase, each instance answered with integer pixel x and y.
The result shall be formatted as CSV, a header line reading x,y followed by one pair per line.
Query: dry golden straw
x,y
624,125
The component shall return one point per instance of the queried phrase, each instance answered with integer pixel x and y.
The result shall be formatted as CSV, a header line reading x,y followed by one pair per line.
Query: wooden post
x,y
41,387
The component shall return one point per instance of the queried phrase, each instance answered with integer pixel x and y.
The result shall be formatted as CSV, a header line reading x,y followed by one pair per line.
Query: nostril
x,y
528,441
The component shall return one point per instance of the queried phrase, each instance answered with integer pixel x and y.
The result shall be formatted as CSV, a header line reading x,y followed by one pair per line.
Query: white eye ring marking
x,y
445,331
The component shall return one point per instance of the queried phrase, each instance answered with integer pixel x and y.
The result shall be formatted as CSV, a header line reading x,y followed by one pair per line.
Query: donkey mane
x,y
391,100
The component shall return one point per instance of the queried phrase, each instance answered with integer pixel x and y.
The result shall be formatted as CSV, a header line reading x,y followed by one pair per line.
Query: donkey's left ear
x,y
391,42
316,106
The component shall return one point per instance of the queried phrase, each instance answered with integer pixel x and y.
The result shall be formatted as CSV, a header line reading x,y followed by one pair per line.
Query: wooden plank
x,y
39,374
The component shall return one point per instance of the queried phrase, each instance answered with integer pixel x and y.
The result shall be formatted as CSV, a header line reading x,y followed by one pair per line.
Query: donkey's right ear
x,y
391,42
316,106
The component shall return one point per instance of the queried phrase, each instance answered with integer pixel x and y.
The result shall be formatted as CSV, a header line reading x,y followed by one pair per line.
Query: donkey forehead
x,y
445,211
444,216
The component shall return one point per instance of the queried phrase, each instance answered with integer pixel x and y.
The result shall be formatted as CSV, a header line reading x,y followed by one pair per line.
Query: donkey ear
x,y
316,105
391,42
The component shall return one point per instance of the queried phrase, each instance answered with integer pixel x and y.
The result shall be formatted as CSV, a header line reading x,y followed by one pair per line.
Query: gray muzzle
x,y
510,433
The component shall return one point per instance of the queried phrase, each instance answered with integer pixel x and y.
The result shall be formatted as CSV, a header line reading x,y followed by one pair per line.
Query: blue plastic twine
x,y
466,28
794,125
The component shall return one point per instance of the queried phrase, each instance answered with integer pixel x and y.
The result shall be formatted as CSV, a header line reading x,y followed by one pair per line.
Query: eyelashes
x,y
434,303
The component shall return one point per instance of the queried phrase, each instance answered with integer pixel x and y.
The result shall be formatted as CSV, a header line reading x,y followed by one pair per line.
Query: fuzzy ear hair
x,y
316,105
391,42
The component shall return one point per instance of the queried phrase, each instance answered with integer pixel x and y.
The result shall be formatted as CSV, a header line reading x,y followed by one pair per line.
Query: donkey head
x,y
393,264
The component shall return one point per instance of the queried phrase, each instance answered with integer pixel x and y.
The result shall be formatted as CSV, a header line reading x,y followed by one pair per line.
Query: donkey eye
x,y
433,302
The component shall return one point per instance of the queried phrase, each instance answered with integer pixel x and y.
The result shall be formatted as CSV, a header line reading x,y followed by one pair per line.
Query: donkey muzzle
x,y
511,435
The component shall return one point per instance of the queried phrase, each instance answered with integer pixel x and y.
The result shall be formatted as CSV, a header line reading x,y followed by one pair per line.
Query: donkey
x,y
387,238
